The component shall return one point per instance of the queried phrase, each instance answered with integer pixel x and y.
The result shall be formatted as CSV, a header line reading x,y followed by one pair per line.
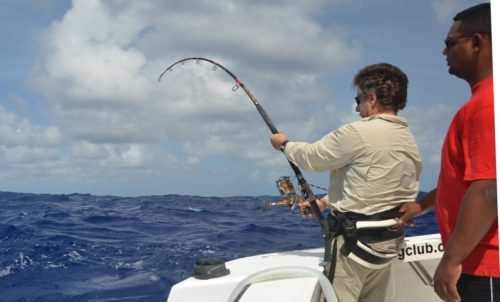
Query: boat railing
x,y
281,273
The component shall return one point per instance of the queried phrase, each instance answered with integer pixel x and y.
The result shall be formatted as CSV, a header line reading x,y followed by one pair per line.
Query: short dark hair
x,y
475,19
387,81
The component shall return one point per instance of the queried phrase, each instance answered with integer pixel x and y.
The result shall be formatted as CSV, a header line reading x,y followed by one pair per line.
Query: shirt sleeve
x,y
333,151
479,145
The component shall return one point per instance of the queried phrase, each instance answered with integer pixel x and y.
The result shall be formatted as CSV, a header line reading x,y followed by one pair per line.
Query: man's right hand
x,y
409,210
322,205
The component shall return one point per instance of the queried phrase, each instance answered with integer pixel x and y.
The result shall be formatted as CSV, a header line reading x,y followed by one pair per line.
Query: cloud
x,y
16,131
112,122
27,150
101,62
429,125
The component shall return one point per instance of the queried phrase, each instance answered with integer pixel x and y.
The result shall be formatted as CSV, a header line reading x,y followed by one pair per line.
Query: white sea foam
x,y
23,261
4,272
135,265
74,255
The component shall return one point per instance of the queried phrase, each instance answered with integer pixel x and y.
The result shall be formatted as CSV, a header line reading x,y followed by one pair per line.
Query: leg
x,y
377,281
349,277
375,285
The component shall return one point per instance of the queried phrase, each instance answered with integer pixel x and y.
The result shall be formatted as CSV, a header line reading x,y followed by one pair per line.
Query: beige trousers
x,y
354,282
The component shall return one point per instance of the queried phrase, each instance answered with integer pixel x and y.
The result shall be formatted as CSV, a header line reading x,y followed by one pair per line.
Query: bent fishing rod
x,y
305,187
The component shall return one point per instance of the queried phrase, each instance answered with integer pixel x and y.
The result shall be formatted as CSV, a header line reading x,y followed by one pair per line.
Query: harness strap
x,y
359,230
370,224
330,257
331,263
365,256
392,213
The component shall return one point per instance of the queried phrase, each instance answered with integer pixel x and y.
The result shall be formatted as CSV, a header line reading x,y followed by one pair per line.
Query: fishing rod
x,y
304,185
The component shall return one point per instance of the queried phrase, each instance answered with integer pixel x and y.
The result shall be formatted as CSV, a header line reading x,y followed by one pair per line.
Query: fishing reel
x,y
291,196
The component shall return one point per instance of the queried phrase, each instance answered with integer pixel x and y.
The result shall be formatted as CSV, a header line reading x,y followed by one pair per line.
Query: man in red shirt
x,y
465,199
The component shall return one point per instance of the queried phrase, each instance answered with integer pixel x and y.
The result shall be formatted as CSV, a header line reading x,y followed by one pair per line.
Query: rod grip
x,y
266,118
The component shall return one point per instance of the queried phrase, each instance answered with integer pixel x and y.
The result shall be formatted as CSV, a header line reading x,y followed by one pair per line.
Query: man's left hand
x,y
277,140
445,280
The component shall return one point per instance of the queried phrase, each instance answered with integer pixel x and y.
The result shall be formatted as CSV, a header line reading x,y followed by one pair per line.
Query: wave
x,y
82,247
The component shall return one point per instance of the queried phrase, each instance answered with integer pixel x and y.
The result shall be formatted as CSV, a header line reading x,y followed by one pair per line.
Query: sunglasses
x,y
450,41
358,99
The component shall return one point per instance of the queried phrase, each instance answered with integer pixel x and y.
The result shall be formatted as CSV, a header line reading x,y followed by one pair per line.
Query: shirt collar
x,y
388,117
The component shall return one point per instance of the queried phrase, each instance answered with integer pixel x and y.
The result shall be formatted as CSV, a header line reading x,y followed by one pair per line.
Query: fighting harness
x,y
359,231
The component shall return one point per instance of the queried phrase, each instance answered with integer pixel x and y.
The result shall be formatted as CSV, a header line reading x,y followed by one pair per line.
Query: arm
x,y
411,209
332,151
477,213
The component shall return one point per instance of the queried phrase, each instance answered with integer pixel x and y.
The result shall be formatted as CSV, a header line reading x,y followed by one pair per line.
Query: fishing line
x,y
305,187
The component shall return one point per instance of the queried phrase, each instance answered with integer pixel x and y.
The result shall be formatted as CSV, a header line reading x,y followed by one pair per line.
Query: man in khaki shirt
x,y
374,167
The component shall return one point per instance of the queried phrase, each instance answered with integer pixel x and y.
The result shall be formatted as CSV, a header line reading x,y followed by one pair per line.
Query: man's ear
x,y
477,41
480,41
372,97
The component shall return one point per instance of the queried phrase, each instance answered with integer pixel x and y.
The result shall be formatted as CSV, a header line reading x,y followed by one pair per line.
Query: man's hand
x,y
412,209
277,140
322,205
409,210
446,278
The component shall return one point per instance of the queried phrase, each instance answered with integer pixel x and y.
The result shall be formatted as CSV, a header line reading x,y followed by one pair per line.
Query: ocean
x,y
81,247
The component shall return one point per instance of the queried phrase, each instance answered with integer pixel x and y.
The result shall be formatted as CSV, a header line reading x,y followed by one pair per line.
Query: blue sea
x,y
81,247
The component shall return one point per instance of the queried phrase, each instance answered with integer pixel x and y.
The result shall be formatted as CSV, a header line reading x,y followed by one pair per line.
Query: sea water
x,y
82,247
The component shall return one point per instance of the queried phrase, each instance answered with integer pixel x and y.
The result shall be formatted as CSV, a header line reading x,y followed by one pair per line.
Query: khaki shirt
x,y
374,164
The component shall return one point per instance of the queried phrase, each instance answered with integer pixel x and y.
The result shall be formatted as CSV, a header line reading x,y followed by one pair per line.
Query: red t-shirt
x,y
469,154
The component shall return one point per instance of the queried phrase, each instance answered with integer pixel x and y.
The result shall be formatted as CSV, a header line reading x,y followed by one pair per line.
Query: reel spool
x,y
285,187
287,192
291,196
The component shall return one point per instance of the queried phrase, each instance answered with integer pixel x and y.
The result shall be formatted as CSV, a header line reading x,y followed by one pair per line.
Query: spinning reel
x,y
291,196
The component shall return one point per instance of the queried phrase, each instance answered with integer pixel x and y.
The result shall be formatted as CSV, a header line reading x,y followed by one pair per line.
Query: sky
x,y
82,110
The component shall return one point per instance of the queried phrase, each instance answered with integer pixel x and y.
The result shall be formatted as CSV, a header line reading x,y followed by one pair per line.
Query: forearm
x,y
476,215
427,202
305,157
296,152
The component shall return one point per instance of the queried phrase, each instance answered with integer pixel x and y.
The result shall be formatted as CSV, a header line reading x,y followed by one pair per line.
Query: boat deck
x,y
411,278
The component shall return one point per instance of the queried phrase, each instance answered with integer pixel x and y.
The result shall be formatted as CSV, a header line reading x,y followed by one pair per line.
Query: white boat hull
x,y
411,279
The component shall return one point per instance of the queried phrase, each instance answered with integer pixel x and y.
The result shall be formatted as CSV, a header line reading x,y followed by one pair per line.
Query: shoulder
x,y
480,105
349,127
482,96
345,135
